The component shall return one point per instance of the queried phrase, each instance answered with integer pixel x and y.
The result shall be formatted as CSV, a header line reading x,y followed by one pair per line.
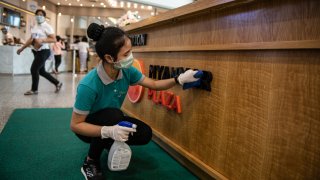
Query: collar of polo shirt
x,y
104,76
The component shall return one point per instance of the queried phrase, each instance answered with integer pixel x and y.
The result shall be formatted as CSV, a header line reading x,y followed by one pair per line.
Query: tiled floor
x,y
13,87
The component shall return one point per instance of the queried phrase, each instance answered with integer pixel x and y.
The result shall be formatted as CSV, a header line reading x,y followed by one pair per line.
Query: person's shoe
x,y
58,87
91,170
30,92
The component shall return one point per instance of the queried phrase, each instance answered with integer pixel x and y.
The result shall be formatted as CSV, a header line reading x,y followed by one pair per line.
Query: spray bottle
x,y
120,153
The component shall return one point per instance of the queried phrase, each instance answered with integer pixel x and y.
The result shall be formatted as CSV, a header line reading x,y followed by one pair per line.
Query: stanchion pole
x,y
74,63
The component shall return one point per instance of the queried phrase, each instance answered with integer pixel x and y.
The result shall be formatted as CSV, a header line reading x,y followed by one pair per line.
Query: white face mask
x,y
40,19
124,63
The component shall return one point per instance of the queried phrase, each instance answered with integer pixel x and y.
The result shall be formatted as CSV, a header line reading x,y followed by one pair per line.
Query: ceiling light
x,y
78,0
121,4
71,20
112,2
92,5
80,4
99,17
69,4
59,14
128,4
135,5
150,7
142,6
44,7
165,4
102,4
58,4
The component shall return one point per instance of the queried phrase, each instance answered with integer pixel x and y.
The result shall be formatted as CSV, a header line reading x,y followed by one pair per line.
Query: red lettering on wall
x,y
166,99
150,93
176,105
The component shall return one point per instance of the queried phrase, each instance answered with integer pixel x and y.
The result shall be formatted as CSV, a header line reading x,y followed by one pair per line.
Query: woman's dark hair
x,y
84,39
58,38
40,10
109,40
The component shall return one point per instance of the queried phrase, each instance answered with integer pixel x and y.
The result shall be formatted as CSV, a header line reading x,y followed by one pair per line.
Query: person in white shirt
x,y
41,35
8,37
83,48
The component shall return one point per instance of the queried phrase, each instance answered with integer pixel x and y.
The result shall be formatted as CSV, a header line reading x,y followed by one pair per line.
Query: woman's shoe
x,y
58,87
30,92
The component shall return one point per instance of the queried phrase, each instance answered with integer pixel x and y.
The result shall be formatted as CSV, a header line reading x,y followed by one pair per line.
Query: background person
x,y
56,47
41,35
100,95
8,37
83,48
18,41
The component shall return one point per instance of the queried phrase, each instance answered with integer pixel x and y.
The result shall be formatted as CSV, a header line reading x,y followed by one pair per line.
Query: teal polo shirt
x,y
98,91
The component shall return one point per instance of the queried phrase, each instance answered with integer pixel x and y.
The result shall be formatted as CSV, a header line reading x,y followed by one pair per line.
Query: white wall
x,y
63,22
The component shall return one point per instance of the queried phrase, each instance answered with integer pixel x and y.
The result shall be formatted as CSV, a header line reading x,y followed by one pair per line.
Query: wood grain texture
x,y
184,12
260,121
262,118
258,25
309,44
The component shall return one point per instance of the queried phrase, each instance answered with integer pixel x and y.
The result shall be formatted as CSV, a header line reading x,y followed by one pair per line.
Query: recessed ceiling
x,y
143,5
167,4
79,3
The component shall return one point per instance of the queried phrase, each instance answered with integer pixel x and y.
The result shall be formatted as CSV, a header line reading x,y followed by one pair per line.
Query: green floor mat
x,y
38,144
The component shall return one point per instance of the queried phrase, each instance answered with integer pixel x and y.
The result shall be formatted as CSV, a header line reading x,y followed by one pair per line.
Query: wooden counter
x,y
262,118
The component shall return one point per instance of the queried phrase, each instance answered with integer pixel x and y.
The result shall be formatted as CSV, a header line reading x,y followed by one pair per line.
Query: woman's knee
x,y
142,136
147,135
106,117
42,72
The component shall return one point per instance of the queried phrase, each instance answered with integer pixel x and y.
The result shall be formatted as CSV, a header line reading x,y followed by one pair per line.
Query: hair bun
x,y
94,31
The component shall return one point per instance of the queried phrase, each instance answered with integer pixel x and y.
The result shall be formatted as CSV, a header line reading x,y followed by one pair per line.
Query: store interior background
x,y
62,13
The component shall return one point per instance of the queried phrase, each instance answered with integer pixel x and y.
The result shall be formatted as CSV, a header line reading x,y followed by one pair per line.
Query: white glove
x,y
187,77
116,132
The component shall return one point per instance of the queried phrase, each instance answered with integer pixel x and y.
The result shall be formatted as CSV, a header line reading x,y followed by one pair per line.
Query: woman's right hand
x,y
116,132
37,43
19,51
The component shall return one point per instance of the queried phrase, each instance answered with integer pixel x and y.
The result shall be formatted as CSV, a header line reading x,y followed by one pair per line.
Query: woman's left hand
x,y
188,76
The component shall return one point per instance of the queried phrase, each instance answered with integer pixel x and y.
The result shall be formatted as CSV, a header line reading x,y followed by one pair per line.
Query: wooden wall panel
x,y
260,21
262,118
260,121
295,117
